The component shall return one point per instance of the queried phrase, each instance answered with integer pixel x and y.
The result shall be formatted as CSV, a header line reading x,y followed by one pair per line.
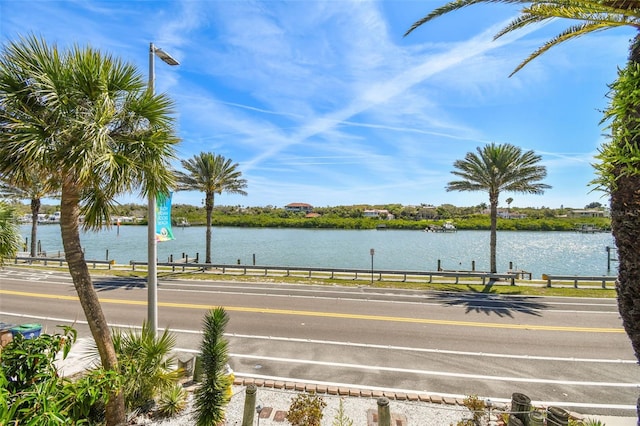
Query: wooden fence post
x,y
384,415
249,405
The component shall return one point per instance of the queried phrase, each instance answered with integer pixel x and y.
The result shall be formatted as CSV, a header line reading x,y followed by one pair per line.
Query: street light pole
x,y
152,244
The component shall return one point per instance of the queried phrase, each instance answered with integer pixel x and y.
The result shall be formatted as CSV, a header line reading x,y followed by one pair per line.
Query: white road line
x,y
352,344
437,373
428,350
289,379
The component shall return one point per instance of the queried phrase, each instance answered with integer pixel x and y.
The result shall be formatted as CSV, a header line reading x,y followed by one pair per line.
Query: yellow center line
x,y
333,314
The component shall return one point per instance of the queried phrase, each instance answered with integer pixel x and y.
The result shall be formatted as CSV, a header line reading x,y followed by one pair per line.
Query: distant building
x,y
506,214
588,213
378,213
123,219
298,207
426,212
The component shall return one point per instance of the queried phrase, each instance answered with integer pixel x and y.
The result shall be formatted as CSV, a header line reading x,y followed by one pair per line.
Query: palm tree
x,y
90,124
30,187
619,168
494,169
9,233
211,174
509,201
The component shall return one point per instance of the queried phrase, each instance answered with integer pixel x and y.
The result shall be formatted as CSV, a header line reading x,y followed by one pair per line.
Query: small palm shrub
x,y
172,401
306,410
214,393
145,365
592,422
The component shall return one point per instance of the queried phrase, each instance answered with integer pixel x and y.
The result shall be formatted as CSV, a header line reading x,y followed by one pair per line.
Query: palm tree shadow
x,y
118,283
489,302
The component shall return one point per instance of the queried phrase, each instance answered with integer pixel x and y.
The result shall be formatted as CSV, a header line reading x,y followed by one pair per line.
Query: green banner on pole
x,y
163,218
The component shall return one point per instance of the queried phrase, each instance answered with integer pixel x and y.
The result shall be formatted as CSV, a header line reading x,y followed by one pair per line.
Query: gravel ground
x,y
355,408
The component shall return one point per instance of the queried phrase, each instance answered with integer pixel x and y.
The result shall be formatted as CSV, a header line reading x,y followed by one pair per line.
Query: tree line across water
x,y
352,217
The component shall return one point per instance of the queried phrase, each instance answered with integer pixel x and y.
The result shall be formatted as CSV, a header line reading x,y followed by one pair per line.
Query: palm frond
x,y
569,33
452,6
593,15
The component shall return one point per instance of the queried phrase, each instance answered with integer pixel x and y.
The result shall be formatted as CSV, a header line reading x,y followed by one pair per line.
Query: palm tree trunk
x,y
209,209
69,224
35,209
493,239
625,225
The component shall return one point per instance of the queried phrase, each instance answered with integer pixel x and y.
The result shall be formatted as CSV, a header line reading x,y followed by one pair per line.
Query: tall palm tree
x,y
211,174
31,187
102,133
9,233
494,169
509,201
619,167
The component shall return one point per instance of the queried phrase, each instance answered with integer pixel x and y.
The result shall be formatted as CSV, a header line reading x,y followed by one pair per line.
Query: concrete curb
x,y
353,392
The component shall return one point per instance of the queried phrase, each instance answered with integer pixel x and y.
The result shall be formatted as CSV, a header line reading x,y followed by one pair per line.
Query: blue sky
x,y
325,102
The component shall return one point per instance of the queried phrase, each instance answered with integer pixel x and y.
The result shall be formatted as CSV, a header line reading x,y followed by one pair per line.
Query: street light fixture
x,y
152,244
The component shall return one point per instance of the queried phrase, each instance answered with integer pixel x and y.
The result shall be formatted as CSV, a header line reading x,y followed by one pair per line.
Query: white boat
x,y
446,227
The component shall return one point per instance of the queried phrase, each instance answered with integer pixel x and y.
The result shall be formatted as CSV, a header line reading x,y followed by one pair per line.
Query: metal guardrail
x,y
575,278
343,273
309,271
60,261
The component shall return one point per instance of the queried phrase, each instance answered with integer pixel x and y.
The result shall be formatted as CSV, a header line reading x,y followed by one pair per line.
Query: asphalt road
x,y
570,352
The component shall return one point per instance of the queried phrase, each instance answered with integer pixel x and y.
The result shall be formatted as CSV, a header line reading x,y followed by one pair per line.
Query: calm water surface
x,y
536,252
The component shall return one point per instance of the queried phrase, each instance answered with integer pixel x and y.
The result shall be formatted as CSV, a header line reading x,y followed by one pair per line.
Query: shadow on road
x,y
489,302
115,283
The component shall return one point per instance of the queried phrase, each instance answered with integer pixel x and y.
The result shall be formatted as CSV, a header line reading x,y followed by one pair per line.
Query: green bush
x,y
32,392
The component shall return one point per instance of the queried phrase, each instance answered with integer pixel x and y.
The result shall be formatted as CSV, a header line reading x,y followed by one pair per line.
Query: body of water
x,y
536,252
